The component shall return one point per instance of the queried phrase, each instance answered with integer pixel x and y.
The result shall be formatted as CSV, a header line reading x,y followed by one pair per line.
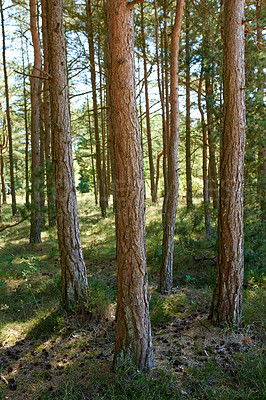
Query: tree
x,y
227,296
74,278
166,273
35,231
9,127
133,332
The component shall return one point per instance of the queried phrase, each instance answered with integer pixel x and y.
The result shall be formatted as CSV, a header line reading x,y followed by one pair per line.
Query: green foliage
x,y
223,381
165,308
100,297
46,325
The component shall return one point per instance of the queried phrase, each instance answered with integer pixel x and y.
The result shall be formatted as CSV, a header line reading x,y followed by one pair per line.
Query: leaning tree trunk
x,y
74,277
9,128
133,334
227,296
35,231
166,273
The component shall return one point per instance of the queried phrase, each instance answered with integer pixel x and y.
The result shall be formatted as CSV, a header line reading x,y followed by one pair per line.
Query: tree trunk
x,y
133,334
25,111
3,148
103,200
227,296
166,273
92,160
211,143
148,124
50,180
9,128
74,277
188,149
35,232
204,162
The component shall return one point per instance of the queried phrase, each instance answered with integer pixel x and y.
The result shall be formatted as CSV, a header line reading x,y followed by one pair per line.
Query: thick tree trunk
x,y
35,232
103,199
9,128
148,123
166,273
188,144
50,180
133,335
227,296
74,277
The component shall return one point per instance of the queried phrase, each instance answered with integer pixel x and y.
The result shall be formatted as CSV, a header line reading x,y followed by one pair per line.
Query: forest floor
x,y
47,354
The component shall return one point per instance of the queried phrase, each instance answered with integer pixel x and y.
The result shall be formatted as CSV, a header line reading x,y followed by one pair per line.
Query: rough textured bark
x,y
227,296
3,148
166,273
50,180
188,144
74,278
35,231
9,128
133,334
148,124
103,198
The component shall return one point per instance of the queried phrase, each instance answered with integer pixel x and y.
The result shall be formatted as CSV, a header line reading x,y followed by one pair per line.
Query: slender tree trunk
x,y
148,123
50,179
103,200
211,142
74,277
204,162
163,113
133,335
227,296
35,232
92,160
166,273
261,83
9,128
3,148
25,111
42,167
188,144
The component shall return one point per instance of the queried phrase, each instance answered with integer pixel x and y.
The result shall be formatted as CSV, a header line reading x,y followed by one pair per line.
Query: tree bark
x,y
3,148
35,232
227,296
9,128
166,273
188,144
74,277
133,333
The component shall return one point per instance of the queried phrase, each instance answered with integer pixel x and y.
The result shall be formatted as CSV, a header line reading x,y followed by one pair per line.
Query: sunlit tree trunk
x,y
74,277
133,333
166,273
227,296
35,232
9,128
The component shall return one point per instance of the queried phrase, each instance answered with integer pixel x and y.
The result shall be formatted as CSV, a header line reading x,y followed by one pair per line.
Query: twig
x,y
11,226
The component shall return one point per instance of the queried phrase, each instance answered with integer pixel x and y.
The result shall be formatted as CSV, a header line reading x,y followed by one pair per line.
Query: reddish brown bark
x,y
74,277
133,334
35,232
227,296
